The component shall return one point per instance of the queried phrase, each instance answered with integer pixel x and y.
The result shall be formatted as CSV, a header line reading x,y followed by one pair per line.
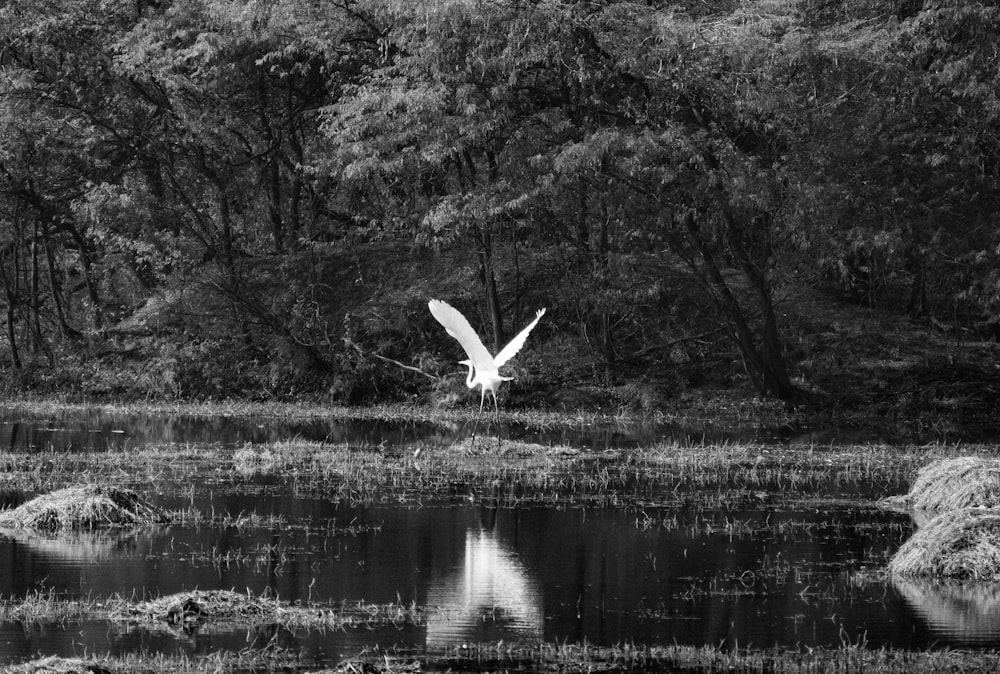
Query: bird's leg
x,y
496,415
482,399
475,427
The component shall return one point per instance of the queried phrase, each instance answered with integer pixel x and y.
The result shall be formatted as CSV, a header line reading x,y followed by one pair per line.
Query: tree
x,y
64,125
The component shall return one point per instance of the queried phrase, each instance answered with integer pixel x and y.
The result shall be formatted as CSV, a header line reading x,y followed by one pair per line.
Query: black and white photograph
x,y
499,336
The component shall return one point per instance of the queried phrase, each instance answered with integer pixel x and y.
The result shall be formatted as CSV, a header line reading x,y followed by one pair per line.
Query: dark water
x,y
98,430
796,576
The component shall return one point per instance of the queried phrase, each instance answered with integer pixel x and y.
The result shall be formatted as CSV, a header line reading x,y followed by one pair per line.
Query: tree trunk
x,y
64,327
488,278
12,337
227,230
485,244
10,293
295,171
91,288
765,365
773,371
916,304
605,315
271,168
33,296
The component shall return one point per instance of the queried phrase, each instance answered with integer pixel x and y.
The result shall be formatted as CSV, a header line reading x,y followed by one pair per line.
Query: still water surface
x,y
98,430
792,576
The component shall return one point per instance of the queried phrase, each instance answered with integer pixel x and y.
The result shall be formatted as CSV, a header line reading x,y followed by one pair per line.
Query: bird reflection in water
x,y
492,596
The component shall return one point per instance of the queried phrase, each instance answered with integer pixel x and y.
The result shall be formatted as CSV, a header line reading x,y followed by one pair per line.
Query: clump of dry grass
x,y
198,609
950,484
56,665
248,461
190,609
82,507
960,544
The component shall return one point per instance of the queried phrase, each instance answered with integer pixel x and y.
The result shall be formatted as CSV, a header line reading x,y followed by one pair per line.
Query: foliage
x,y
218,188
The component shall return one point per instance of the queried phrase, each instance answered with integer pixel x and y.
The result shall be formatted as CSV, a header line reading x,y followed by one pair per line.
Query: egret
x,y
484,369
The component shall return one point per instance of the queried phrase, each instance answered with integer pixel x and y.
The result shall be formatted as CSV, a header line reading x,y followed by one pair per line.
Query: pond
x,y
792,567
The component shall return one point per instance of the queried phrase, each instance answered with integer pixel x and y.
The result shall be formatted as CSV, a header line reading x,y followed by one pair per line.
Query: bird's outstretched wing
x,y
456,325
514,345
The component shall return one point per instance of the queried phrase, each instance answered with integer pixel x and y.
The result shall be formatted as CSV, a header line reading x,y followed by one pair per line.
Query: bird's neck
x,y
468,379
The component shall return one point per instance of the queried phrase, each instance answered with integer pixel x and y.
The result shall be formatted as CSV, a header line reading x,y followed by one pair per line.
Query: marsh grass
x,y
47,607
960,544
954,483
48,469
57,665
630,658
545,657
190,609
222,662
511,472
308,410
673,474
88,506
218,610
224,609
503,472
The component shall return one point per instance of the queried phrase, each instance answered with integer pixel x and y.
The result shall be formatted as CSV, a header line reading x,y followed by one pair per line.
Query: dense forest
x,y
256,198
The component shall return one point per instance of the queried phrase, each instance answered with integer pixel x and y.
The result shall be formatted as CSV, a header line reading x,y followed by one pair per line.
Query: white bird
x,y
484,369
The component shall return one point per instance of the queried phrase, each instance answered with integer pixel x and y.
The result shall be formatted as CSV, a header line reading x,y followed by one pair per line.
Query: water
x,y
794,576
98,430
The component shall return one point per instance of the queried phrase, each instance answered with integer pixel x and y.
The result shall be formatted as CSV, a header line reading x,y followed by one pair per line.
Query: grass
x,y
88,506
49,469
307,410
960,544
954,483
212,609
502,472
221,663
665,475
547,657
46,607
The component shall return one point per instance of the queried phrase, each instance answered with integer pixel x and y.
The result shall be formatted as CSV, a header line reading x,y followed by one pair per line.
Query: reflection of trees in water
x,y
91,429
97,430
966,612
492,596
